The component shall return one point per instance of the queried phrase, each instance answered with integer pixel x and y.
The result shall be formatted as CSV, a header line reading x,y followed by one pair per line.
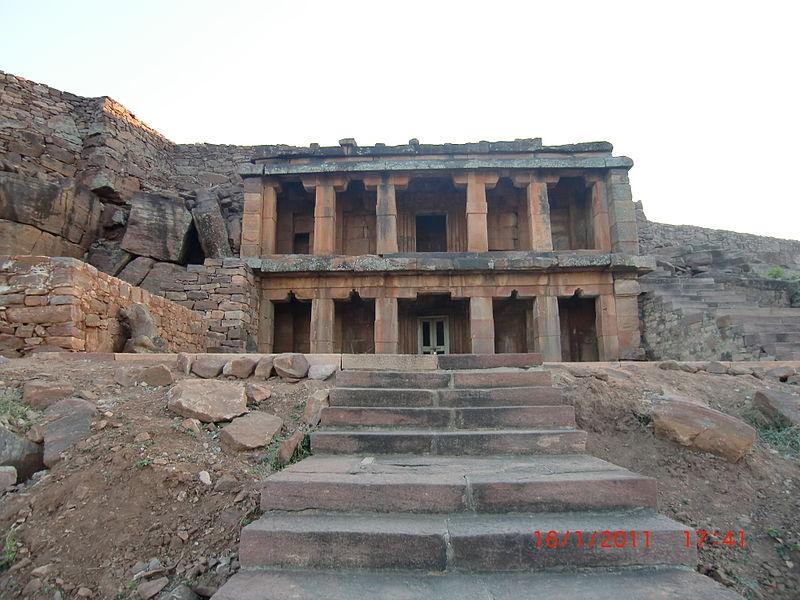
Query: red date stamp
x,y
618,538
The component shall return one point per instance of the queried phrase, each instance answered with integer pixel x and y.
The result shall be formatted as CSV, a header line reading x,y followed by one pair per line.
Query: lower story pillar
x,y
547,328
266,328
322,317
386,326
481,325
607,338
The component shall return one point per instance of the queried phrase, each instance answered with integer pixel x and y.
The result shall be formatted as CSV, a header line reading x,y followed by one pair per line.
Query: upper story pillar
x,y
260,217
537,208
325,189
386,210
622,213
476,183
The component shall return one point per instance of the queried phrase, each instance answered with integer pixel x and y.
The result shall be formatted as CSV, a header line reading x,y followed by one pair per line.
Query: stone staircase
x,y
751,332
434,484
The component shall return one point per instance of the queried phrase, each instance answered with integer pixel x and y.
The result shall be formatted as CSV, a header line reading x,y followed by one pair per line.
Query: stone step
x,y
475,542
387,397
481,378
509,417
450,485
448,442
642,583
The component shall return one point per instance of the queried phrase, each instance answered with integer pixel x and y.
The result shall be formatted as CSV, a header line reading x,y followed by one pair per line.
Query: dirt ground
x,y
114,502
759,495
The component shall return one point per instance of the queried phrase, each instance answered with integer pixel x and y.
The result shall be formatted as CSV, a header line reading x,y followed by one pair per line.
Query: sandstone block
x,y
291,365
163,277
67,422
136,270
288,447
321,372
314,405
781,373
264,368
184,363
210,225
8,477
716,368
702,428
41,394
241,367
158,227
782,409
252,431
156,376
208,367
208,401
257,393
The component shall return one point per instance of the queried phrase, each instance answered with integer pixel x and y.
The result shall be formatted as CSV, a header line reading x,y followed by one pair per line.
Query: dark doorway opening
x,y
301,243
292,326
578,329
431,233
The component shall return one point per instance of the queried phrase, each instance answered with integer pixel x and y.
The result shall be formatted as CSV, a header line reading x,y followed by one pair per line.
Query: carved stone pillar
x,y
386,210
386,326
622,213
325,189
600,223
476,183
266,326
481,325
322,317
260,216
537,208
547,328
606,319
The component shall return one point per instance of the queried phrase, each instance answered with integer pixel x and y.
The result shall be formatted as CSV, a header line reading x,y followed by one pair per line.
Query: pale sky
x,y
702,95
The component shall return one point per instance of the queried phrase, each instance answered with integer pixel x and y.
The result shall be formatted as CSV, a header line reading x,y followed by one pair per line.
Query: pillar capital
x,y
399,181
525,178
465,179
337,182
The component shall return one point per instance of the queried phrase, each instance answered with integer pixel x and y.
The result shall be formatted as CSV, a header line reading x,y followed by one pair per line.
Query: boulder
x,y
264,368
20,453
314,405
142,333
108,257
158,227
41,394
240,368
255,430
66,423
155,376
8,477
716,368
781,373
208,367
257,393
291,365
208,401
210,225
288,447
321,372
782,409
136,270
669,365
184,363
164,277
702,428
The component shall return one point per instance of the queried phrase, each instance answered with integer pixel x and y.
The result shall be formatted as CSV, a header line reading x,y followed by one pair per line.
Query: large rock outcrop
x,y
158,227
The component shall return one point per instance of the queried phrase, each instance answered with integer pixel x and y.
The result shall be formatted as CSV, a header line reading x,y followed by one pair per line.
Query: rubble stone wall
x,y
225,292
65,304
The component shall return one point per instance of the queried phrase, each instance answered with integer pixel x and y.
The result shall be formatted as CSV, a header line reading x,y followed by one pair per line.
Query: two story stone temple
x,y
486,247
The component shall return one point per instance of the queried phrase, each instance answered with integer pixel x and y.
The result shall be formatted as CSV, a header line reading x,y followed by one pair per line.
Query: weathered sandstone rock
x,y
136,270
288,447
314,405
702,428
24,455
67,422
264,368
208,401
208,367
291,365
143,336
108,257
716,368
164,277
782,409
210,225
8,477
241,367
158,227
321,372
41,394
156,376
252,431
781,373
257,393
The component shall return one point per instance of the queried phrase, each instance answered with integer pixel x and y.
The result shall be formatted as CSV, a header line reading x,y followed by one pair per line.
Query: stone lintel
x,y
456,261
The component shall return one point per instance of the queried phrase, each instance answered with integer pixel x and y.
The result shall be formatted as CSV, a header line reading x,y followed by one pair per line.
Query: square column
x,y
386,210
547,328
387,333
260,217
325,189
607,340
622,213
266,327
626,299
322,317
476,208
537,208
481,325
600,223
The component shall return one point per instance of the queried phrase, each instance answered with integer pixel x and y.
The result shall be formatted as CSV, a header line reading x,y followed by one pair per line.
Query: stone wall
x,y
225,292
699,249
672,333
65,304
